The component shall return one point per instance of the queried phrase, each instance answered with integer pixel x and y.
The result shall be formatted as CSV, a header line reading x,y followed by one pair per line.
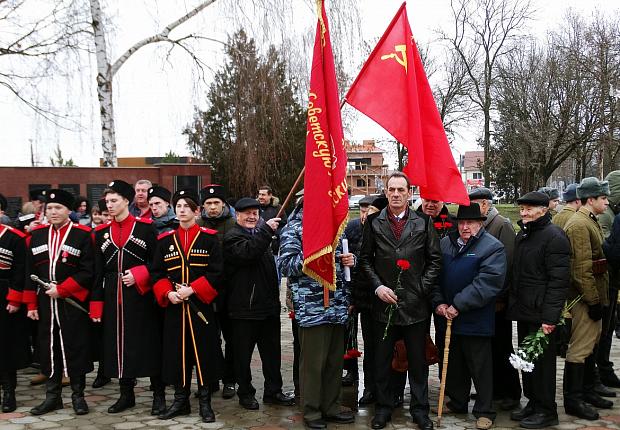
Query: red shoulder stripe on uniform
x,y
16,231
144,220
39,227
82,227
164,234
102,226
208,230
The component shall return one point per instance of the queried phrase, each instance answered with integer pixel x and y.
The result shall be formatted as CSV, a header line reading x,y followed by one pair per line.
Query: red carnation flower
x,y
443,216
291,315
448,224
438,225
403,264
353,353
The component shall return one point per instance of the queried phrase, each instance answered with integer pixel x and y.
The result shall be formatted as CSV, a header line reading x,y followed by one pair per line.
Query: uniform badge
x,y
65,254
171,248
106,235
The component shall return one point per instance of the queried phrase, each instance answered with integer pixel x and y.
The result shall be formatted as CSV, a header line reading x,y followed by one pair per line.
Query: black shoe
x,y
603,391
423,422
159,405
100,381
367,399
343,417
398,401
279,399
79,405
78,383
380,421
124,402
509,404
229,391
9,404
204,404
315,424
610,380
455,409
180,405
522,414
249,402
539,420
349,379
48,405
597,401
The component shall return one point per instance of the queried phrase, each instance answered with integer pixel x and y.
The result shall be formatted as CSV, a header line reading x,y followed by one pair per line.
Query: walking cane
x,y
444,372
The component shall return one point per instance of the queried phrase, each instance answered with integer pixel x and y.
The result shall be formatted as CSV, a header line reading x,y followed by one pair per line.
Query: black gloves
x,y
595,312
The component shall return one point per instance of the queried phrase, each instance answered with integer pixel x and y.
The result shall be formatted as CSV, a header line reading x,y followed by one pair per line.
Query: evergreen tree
x,y
253,131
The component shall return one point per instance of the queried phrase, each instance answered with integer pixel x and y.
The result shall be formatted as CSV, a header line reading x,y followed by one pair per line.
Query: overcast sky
x,y
155,98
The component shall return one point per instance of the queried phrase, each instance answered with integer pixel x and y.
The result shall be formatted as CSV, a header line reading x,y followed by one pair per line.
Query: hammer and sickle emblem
x,y
401,60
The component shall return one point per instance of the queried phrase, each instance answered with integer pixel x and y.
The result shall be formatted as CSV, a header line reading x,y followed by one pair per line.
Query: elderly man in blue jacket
x,y
474,267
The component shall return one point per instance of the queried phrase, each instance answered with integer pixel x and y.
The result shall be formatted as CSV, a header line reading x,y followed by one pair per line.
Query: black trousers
x,y
414,336
605,365
368,335
296,355
350,365
265,334
470,358
506,383
225,328
539,385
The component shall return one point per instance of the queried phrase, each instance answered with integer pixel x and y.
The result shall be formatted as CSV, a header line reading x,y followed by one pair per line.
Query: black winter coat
x,y
540,272
14,328
251,276
361,293
73,273
268,212
419,244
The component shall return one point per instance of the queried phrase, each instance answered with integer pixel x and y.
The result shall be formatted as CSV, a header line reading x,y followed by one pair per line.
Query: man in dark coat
x,y
398,233
269,208
216,215
253,302
61,254
123,295
361,298
163,217
540,278
506,385
188,262
442,220
14,328
472,275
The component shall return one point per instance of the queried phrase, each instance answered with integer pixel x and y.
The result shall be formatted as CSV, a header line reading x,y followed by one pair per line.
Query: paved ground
x,y
231,416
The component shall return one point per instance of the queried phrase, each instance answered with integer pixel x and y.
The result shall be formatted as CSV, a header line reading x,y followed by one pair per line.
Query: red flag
x,y
326,203
393,90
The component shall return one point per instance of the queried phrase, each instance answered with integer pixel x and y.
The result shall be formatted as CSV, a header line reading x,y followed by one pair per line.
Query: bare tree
x,y
483,32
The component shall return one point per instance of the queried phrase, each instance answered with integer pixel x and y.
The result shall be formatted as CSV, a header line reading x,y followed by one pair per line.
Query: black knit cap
x,y
185,194
3,203
213,191
246,203
534,198
161,192
122,188
62,197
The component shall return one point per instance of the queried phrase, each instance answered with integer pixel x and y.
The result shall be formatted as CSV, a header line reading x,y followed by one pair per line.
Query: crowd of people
x,y
184,287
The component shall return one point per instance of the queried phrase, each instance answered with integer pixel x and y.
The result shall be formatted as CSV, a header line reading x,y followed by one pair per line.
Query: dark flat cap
x,y
213,191
380,202
570,193
246,203
592,187
122,188
366,201
185,194
3,203
481,193
62,197
553,193
534,198
470,212
161,192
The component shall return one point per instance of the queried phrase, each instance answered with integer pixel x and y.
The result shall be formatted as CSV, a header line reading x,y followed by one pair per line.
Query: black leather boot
x,y
9,383
127,399
159,397
573,392
590,377
180,405
100,380
53,400
78,383
204,402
